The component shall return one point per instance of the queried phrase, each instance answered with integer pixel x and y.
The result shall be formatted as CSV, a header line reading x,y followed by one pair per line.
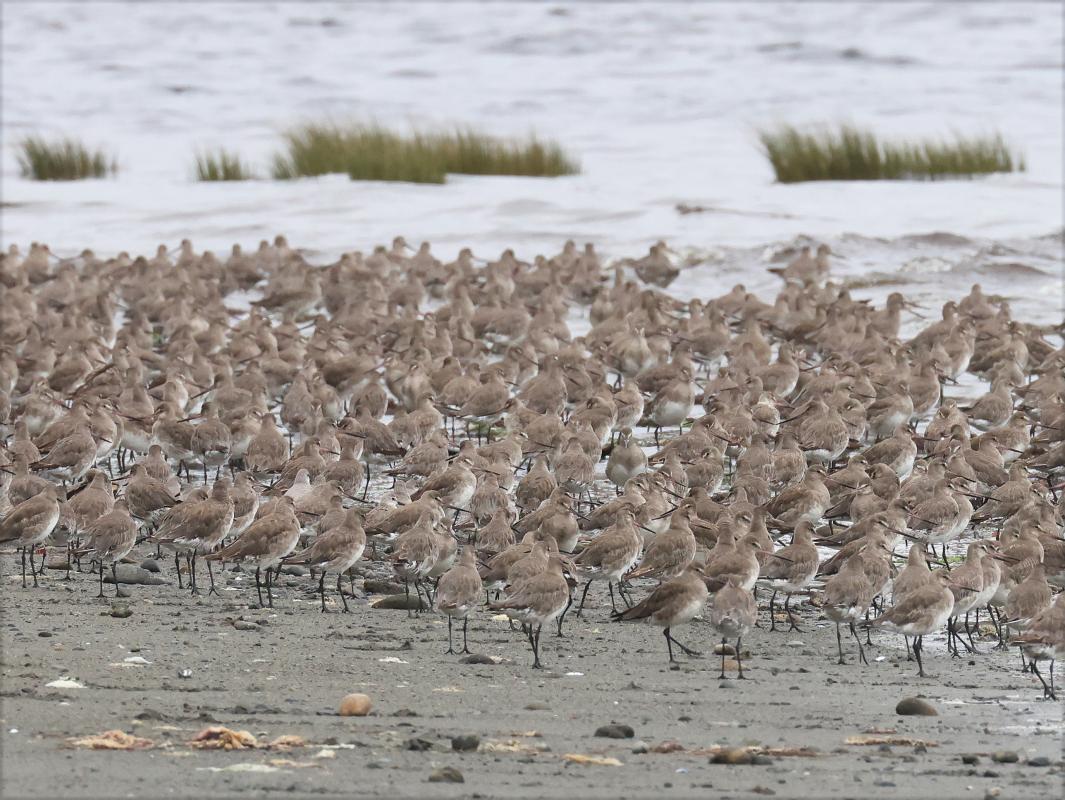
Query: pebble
x,y
355,705
45,634
120,611
615,731
133,574
295,569
418,745
992,793
477,658
375,586
726,685
1038,761
724,649
184,673
1005,757
639,747
245,625
122,591
150,565
970,758
465,743
537,707
446,775
915,706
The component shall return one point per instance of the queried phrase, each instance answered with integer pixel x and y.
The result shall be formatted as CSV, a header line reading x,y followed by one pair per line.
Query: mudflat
x,y
179,664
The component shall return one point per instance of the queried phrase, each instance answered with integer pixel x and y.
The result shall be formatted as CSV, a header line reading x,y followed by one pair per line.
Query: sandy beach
x,y
287,678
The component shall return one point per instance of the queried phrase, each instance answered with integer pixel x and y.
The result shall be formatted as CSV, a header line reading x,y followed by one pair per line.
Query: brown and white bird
x,y
29,524
458,592
674,602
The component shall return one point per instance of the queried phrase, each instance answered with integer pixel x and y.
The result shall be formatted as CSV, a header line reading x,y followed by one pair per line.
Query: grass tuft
x,y
62,160
852,154
371,152
221,165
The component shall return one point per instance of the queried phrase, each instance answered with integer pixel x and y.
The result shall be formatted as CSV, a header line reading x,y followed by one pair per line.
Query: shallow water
x,y
660,103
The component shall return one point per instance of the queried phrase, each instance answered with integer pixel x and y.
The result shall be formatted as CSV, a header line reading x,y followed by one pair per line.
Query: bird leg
x,y
791,617
269,588
340,591
687,650
321,589
584,594
839,646
406,593
258,587
114,575
465,623
909,653
101,594
739,657
450,649
610,588
22,552
177,569
772,611
192,572
1048,690
724,641
210,575
562,616
917,647
534,639
858,639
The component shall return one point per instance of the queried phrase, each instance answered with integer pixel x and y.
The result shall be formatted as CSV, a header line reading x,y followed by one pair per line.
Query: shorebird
x,y
627,459
1044,640
733,613
335,550
197,527
790,570
847,597
267,542
29,524
416,552
110,539
540,600
920,613
610,555
458,592
674,602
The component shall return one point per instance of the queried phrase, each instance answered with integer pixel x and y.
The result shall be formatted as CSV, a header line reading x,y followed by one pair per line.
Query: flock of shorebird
x,y
263,410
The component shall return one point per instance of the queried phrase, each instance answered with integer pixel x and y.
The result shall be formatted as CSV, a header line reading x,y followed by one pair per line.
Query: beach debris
x,y
915,706
391,660
355,705
112,740
219,737
242,767
592,761
65,682
876,739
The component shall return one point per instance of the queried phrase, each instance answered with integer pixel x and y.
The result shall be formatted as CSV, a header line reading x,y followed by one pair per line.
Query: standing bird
x,y
790,570
924,611
540,600
335,550
733,614
29,524
110,539
458,591
672,603
848,595
266,541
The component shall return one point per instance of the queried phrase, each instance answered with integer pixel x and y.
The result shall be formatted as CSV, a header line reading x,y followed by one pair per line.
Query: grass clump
x,y
221,165
64,159
852,154
370,152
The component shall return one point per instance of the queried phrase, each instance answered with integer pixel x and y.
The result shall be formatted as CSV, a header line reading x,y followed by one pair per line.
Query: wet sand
x,y
288,676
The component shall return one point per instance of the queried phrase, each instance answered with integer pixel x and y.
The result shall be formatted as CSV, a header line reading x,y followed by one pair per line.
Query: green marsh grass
x,y
64,159
853,154
221,165
371,152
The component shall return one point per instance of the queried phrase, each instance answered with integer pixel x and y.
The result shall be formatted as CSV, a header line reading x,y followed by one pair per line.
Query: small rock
x,y
404,712
45,634
1038,761
375,586
762,790
477,658
184,673
726,685
915,706
639,747
120,611
446,775
724,649
399,602
762,761
537,707
615,731
245,625
465,743
150,565
295,569
122,591
418,745
1005,757
732,755
150,714
992,793
970,758
355,705
132,574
